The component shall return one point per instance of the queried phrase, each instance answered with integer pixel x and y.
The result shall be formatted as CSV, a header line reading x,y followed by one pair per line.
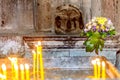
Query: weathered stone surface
x,y
16,15
11,45
110,9
57,53
68,20
87,8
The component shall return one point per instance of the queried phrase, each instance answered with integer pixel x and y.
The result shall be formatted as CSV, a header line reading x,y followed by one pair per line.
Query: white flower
x,y
109,22
94,24
93,20
89,27
86,30
112,28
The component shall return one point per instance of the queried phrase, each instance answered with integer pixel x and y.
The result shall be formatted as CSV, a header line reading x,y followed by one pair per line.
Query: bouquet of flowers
x,y
96,31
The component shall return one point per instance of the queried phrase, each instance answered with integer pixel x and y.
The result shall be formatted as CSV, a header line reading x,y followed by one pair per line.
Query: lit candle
x,y
27,72
39,49
38,52
95,68
99,66
14,62
41,67
34,64
16,71
2,77
103,70
22,71
4,71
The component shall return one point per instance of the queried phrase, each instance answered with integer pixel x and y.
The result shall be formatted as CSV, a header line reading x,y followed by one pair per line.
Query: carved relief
x,y
68,20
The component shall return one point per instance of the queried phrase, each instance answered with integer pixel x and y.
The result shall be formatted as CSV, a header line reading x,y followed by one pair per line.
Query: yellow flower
x,y
101,20
97,27
103,27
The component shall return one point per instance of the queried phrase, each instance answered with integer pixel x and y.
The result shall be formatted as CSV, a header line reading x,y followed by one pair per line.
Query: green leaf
x,y
90,48
101,44
112,32
103,35
88,34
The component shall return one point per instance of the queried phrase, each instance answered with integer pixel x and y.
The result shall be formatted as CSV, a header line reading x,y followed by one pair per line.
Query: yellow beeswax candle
x,y
14,61
38,54
27,73
103,70
37,65
34,64
2,77
39,49
16,71
99,68
22,72
41,67
4,71
95,68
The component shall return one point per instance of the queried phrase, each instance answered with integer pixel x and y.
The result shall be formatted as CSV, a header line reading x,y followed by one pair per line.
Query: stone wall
x,y
111,10
18,14
46,14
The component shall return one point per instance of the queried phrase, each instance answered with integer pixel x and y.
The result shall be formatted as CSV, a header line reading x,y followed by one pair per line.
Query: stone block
x,y
68,62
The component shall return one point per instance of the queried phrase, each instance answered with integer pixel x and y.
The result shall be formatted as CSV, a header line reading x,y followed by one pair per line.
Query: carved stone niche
x,y
68,20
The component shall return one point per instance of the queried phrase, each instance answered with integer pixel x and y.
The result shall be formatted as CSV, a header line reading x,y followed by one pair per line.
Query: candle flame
x,y
93,61
21,66
97,59
16,66
2,76
103,63
4,67
39,43
33,51
26,66
98,62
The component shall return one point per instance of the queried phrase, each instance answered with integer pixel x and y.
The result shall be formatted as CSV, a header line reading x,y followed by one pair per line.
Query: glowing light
x,y
103,70
4,70
95,68
27,72
22,71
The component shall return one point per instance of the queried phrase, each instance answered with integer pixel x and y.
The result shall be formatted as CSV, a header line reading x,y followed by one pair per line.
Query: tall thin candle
x,y
16,71
99,67
27,72
37,61
95,68
39,49
14,61
103,70
4,71
34,64
22,71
